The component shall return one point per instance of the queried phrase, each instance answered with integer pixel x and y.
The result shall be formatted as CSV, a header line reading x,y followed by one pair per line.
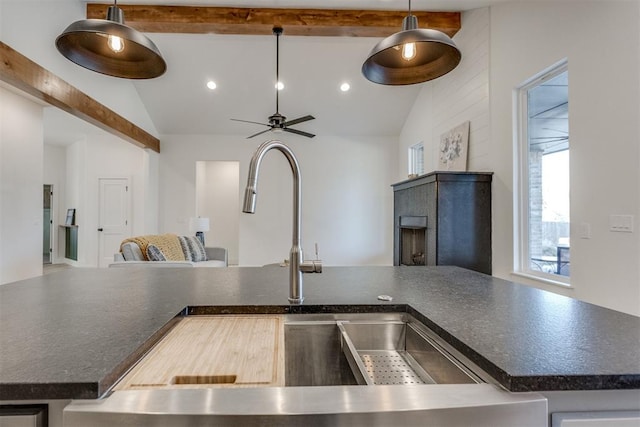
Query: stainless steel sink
x,y
313,355
326,356
388,349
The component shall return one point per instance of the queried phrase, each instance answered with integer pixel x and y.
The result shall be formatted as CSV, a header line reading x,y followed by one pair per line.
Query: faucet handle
x,y
311,266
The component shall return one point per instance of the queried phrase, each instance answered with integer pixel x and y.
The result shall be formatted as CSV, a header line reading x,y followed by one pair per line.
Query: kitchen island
x,y
73,334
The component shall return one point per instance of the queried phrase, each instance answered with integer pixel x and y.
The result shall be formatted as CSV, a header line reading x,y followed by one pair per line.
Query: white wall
x,y
150,178
346,203
76,186
600,40
21,179
638,130
218,198
461,95
55,160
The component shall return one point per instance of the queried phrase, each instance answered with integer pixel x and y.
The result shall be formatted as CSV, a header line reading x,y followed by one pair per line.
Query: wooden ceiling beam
x,y
22,73
260,21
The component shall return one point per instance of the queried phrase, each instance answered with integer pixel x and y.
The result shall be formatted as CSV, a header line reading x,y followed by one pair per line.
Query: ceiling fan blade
x,y
248,121
259,133
299,132
298,120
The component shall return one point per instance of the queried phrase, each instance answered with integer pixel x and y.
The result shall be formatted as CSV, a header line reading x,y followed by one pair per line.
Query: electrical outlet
x,y
621,223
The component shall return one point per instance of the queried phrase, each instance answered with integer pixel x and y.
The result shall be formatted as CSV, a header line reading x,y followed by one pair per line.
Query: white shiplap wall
x,y
461,95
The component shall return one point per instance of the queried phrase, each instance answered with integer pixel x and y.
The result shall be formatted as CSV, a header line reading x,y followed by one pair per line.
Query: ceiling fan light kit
x,y
413,55
109,47
278,122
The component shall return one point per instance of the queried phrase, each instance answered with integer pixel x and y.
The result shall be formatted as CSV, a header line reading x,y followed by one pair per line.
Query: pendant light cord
x,y
277,68
409,7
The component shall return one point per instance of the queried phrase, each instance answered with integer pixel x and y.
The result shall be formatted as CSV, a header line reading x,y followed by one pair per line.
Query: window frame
x,y
416,160
521,202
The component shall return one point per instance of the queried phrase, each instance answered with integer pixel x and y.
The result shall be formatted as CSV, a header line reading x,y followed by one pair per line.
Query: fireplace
x,y
413,240
443,218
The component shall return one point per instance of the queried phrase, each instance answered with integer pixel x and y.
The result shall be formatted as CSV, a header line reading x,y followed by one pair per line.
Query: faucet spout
x,y
249,206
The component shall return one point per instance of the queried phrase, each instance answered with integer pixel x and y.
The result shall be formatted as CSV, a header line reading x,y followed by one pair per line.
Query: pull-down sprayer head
x,y
249,205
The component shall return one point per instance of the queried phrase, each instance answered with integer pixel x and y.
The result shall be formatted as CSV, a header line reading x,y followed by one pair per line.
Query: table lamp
x,y
199,225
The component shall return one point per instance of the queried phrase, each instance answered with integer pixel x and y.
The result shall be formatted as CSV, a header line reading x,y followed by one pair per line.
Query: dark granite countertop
x,y
72,334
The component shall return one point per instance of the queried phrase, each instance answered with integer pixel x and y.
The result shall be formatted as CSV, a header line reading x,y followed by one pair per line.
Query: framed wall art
x,y
71,217
453,149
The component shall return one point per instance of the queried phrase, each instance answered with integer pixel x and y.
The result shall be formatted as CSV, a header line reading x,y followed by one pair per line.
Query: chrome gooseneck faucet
x,y
296,264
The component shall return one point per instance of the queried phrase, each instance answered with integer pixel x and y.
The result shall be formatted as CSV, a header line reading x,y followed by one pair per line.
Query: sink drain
x,y
390,367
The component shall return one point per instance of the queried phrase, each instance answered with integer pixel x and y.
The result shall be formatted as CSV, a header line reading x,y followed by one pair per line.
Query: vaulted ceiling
x,y
312,67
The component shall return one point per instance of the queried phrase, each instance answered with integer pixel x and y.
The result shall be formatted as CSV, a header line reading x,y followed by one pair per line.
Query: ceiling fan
x,y
278,122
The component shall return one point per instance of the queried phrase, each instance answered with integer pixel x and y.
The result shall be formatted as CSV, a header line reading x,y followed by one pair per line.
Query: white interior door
x,y
113,223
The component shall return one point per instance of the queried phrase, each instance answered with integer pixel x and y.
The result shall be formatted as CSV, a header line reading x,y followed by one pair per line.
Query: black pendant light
x,y
413,55
109,47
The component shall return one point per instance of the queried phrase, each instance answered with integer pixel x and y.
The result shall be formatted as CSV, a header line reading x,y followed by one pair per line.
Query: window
x,y
416,159
543,176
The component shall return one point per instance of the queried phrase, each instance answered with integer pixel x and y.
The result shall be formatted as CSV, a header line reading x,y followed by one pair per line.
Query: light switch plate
x,y
621,223
585,230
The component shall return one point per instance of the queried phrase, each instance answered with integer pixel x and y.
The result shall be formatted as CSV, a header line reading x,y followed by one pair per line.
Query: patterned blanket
x,y
167,243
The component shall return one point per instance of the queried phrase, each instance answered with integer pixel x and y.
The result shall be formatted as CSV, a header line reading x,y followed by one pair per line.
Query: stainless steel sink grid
x,y
390,367
399,352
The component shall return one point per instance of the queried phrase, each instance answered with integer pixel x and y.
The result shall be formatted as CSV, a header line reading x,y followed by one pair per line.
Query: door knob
x,y
100,229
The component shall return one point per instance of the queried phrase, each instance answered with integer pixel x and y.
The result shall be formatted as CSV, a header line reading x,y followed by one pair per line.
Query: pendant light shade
x,y
411,56
109,47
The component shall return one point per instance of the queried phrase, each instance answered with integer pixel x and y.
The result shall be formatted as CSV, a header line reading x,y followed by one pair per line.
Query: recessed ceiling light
x,y
279,85
345,87
211,84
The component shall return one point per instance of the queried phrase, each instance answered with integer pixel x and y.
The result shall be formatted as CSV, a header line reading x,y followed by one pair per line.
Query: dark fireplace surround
x,y
444,218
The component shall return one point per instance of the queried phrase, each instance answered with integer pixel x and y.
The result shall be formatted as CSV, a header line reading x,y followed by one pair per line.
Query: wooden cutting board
x,y
214,351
